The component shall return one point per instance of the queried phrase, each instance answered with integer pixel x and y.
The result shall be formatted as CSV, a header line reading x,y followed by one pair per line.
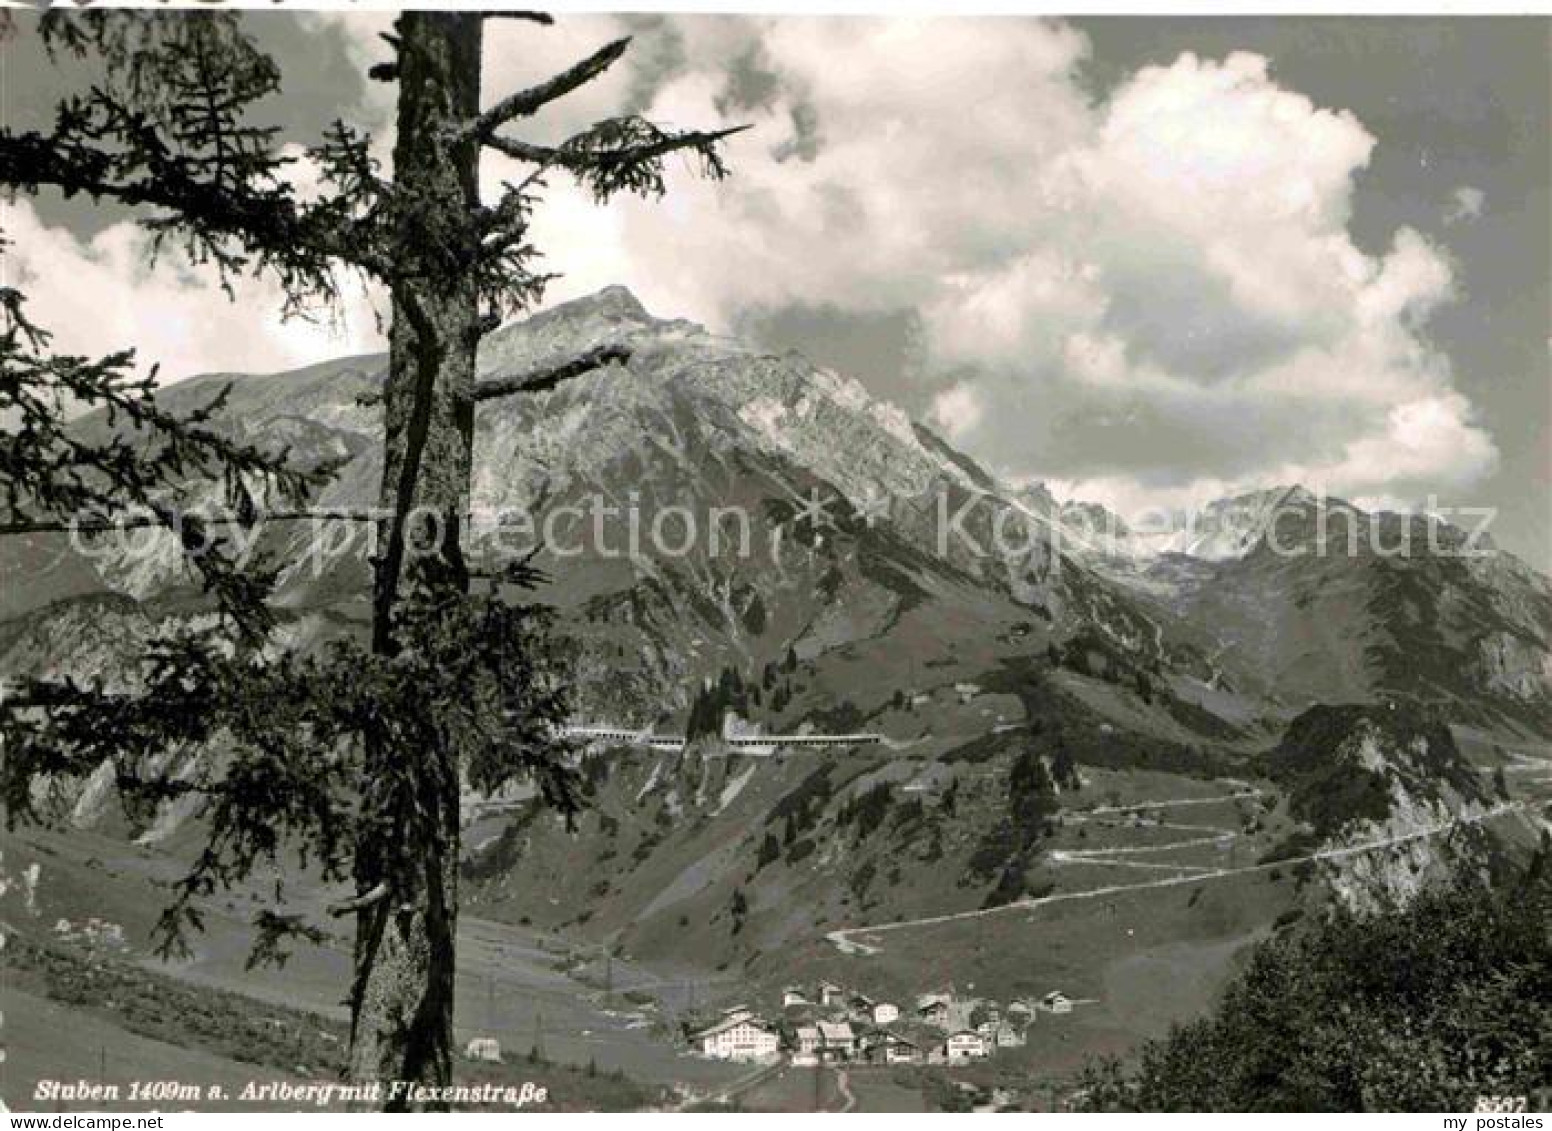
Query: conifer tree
x,y
354,757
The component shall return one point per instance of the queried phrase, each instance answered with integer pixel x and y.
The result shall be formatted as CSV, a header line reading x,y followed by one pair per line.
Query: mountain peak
x,y
1293,494
613,299
610,304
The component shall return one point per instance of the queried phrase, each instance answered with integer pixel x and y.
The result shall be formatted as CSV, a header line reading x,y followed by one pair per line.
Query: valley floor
x,y
512,985
1163,882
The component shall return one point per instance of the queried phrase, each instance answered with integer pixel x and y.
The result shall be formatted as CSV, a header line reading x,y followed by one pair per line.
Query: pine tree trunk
x,y
402,999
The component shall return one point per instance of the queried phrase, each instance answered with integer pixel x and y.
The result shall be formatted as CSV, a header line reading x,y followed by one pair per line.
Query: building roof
x,y
836,1031
729,1023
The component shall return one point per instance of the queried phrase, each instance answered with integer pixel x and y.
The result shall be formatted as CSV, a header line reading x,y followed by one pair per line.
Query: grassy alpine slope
x,y
1427,1007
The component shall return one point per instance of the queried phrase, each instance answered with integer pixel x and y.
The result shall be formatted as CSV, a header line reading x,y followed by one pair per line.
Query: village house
x,y
793,995
830,994
887,1047
1006,1035
806,1042
933,1009
1056,1002
885,1013
837,1041
737,1038
483,1048
94,931
963,1046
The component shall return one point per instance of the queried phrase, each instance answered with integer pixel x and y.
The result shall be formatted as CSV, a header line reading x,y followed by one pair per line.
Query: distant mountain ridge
x,y
1175,663
697,423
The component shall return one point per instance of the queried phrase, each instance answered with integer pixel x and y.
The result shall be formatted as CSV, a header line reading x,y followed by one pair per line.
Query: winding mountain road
x,y
845,941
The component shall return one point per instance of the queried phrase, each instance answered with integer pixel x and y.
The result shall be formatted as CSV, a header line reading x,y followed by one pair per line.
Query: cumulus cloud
x,y
1154,296
103,294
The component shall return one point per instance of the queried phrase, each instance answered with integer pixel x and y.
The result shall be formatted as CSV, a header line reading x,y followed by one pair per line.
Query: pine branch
x,y
572,154
142,522
542,380
266,220
621,154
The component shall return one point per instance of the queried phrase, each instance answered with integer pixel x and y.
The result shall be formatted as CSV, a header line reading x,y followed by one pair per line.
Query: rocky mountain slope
x,y
719,513
1331,603
706,505
1363,774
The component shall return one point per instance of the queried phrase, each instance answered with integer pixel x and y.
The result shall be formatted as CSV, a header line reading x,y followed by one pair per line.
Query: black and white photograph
x,y
811,559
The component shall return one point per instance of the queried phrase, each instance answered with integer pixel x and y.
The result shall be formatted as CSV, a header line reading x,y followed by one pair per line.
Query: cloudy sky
x,y
1144,260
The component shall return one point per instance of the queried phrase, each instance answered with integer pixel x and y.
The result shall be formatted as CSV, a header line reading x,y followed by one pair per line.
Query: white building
x,y
1056,1002
483,1048
885,1012
838,1042
808,1040
793,995
963,1046
830,994
737,1038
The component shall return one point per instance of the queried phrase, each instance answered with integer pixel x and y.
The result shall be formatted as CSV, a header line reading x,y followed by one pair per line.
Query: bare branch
x,y
530,101
360,902
524,151
541,380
